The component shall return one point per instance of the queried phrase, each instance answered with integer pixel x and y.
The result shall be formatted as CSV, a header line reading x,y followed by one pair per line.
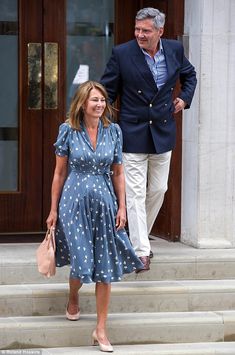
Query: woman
x,y
88,204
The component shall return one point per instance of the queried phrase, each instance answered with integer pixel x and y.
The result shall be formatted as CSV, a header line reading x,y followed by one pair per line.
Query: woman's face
x,y
95,104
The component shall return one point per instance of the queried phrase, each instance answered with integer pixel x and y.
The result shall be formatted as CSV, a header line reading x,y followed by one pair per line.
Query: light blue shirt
x,y
157,65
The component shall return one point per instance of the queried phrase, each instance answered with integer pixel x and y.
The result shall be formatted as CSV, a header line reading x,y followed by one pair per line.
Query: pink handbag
x,y
45,254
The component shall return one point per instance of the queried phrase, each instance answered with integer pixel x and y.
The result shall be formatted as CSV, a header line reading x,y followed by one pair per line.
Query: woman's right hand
x,y
51,220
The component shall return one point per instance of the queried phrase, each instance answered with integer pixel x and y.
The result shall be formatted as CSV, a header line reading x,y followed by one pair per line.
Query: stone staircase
x,y
184,306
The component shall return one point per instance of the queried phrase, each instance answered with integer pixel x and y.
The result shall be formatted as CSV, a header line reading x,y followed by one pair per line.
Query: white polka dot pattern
x,y
86,235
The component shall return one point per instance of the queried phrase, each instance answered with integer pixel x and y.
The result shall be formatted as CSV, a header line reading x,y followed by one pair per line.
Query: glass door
x,y
20,127
47,49
89,41
9,147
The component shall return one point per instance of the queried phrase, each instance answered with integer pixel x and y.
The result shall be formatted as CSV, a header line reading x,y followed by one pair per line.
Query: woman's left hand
x,y
121,218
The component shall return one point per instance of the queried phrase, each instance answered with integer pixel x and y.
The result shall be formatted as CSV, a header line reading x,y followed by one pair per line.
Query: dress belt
x,y
106,172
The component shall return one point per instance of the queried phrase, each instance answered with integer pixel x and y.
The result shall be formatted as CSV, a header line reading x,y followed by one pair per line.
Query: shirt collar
x,y
160,45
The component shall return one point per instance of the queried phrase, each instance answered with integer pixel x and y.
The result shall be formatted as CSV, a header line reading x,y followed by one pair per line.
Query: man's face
x,y
147,35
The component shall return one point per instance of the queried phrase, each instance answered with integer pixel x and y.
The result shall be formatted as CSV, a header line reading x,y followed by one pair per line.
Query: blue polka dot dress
x,y
86,235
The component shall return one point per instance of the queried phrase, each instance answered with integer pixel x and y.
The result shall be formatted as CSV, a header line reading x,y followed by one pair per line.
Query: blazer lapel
x,y
143,68
170,58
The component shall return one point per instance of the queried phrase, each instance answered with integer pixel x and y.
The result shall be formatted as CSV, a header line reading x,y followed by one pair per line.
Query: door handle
x,y
50,70
50,75
34,76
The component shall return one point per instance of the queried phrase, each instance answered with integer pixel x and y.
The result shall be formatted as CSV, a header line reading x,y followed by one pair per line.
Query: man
x,y
143,73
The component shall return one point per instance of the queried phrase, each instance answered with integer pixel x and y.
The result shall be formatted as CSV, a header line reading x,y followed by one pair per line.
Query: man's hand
x,y
179,105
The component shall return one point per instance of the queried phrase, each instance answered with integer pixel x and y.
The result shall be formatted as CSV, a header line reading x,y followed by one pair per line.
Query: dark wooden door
x,y
41,31
168,222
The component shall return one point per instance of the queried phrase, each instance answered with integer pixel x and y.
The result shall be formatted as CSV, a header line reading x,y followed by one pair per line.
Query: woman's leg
x,y
102,292
73,303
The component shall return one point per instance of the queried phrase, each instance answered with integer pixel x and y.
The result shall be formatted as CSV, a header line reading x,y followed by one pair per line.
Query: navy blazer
x,y
146,113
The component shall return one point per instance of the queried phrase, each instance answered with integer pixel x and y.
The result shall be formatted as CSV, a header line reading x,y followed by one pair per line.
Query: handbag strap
x,y
50,235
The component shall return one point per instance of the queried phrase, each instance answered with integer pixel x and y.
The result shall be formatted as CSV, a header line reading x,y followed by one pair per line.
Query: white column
x,y
208,186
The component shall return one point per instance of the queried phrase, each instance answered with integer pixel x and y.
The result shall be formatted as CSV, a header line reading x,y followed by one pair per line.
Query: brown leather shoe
x,y
146,261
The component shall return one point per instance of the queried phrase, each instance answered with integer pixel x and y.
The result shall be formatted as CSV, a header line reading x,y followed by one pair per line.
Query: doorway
x,y
168,222
47,48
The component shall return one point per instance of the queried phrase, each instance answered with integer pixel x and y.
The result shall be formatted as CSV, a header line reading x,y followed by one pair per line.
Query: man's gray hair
x,y
151,13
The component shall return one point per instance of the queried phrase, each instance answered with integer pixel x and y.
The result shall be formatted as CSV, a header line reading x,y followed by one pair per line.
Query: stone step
x,y
223,348
134,296
129,328
172,261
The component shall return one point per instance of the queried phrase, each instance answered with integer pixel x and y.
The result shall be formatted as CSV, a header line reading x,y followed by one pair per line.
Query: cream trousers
x,y
146,178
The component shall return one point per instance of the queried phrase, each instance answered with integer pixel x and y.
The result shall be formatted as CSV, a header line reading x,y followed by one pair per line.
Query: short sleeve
x,y
62,143
118,145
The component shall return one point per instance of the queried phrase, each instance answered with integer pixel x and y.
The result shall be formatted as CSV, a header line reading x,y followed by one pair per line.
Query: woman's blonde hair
x,y
76,113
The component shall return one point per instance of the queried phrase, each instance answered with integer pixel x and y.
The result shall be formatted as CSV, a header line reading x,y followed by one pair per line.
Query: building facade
x,y
208,175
